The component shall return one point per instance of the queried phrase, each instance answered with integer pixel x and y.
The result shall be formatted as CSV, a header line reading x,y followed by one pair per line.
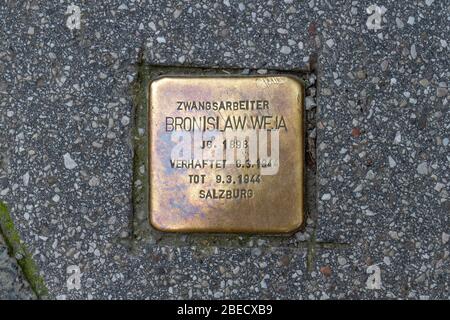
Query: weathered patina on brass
x,y
217,195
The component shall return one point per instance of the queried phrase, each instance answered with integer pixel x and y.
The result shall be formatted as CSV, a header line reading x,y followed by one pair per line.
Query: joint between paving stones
x,y
20,252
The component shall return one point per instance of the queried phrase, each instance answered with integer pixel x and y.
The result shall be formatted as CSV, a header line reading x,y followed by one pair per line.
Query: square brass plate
x,y
226,154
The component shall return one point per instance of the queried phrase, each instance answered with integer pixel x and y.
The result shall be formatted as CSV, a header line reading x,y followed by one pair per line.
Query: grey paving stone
x,y
382,138
13,285
381,154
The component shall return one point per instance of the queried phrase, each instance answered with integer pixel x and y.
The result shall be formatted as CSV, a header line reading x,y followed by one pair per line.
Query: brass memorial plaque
x,y
226,154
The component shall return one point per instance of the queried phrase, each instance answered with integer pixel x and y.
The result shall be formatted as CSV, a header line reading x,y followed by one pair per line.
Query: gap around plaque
x,y
143,234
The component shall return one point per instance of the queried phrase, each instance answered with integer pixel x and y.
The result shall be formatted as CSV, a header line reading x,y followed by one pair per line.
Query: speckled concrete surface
x,y
13,285
382,144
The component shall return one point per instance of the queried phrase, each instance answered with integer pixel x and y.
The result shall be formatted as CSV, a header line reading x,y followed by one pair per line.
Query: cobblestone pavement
x,y
67,70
